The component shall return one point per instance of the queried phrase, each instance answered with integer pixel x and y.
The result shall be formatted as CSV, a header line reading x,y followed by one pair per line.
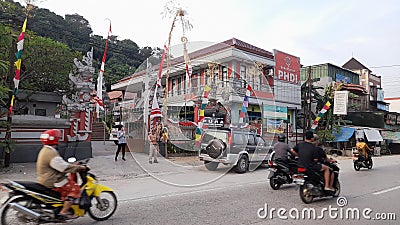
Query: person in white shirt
x,y
121,143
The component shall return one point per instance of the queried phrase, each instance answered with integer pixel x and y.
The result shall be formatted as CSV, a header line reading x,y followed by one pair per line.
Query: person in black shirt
x,y
308,158
323,158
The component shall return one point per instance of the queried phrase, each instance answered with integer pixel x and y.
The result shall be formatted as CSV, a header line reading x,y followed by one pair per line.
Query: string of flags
x,y
204,102
17,77
245,105
320,115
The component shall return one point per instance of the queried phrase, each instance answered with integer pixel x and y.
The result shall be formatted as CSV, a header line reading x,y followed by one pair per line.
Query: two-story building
x,y
227,68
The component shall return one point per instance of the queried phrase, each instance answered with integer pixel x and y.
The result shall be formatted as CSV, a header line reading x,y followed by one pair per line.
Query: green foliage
x,y
123,56
46,64
8,145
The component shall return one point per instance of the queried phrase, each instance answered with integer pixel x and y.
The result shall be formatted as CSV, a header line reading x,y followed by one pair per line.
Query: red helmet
x,y
51,137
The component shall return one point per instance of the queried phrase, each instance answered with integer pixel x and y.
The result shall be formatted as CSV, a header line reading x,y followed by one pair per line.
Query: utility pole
x,y
307,107
7,155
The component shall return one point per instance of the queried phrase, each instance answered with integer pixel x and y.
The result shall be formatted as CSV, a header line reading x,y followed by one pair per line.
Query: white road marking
x,y
386,190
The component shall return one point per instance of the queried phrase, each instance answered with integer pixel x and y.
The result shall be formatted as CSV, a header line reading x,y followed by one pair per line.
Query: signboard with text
x,y
287,67
340,103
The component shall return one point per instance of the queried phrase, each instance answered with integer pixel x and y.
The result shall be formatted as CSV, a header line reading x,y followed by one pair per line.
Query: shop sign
x,y
287,67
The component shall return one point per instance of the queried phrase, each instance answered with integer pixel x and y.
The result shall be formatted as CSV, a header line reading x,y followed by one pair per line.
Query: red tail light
x,y
230,138
271,164
301,170
355,155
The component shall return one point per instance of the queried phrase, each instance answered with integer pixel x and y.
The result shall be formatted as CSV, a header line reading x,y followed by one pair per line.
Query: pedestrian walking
x,y
153,150
121,142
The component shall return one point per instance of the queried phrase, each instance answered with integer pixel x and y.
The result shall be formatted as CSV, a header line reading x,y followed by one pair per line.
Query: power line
x,y
388,66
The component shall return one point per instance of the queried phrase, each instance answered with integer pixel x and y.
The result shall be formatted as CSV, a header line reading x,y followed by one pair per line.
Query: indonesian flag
x,y
99,94
155,109
17,77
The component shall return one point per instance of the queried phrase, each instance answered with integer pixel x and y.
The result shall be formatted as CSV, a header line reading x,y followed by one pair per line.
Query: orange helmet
x,y
51,137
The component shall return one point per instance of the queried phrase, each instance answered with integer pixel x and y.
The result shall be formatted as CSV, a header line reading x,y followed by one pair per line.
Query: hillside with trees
x,y
51,43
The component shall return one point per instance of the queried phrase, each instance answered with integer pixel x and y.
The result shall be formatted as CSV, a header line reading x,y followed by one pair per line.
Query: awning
x,y
373,135
344,134
390,135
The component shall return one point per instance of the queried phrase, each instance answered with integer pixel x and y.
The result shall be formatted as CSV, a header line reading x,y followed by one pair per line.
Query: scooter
x,y
360,161
30,202
312,184
280,172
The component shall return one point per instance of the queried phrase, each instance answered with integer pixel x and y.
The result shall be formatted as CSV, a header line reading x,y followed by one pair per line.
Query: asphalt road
x,y
237,198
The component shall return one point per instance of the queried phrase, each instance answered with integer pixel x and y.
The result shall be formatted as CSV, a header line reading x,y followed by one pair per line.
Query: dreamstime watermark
x,y
341,212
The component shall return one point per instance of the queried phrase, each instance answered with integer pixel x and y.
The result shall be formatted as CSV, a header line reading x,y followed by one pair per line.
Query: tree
x,y
46,64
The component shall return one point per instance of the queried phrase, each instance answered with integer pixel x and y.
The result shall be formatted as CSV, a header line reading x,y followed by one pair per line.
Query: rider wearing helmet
x,y
52,170
282,149
362,147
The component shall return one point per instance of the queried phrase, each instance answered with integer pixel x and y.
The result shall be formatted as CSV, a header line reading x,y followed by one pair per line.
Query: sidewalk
x,y
106,169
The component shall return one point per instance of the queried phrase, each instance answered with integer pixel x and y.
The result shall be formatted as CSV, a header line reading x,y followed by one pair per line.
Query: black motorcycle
x,y
280,172
312,183
360,161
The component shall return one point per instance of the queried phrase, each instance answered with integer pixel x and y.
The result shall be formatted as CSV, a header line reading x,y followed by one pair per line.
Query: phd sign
x,y
287,67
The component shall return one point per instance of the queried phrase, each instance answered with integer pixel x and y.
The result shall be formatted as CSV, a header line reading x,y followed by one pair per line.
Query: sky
x,y
317,31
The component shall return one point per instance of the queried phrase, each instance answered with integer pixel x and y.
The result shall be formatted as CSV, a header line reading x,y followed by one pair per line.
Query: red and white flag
x,y
161,66
99,95
155,108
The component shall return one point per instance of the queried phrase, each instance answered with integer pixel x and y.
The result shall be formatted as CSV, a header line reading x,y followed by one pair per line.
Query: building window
x,y
243,75
179,85
172,87
40,112
224,75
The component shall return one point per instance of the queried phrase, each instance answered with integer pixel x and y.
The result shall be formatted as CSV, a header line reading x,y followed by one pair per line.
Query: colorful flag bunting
x,y
320,115
243,112
17,77
204,102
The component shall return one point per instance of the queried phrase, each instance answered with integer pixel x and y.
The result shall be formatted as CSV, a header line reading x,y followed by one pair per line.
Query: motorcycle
x,y
360,161
32,203
312,184
280,172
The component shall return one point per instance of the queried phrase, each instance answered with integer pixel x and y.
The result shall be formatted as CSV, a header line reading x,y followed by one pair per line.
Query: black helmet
x,y
281,137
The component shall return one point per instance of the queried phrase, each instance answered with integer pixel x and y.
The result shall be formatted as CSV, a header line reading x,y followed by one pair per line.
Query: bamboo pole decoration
x,y
165,107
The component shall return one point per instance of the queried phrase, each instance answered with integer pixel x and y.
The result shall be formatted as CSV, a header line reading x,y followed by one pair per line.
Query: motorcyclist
x,y
322,158
282,149
362,147
52,169
308,158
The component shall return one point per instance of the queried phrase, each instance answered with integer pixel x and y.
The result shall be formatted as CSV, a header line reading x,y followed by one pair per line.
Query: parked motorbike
x,y
32,203
360,161
312,184
280,172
